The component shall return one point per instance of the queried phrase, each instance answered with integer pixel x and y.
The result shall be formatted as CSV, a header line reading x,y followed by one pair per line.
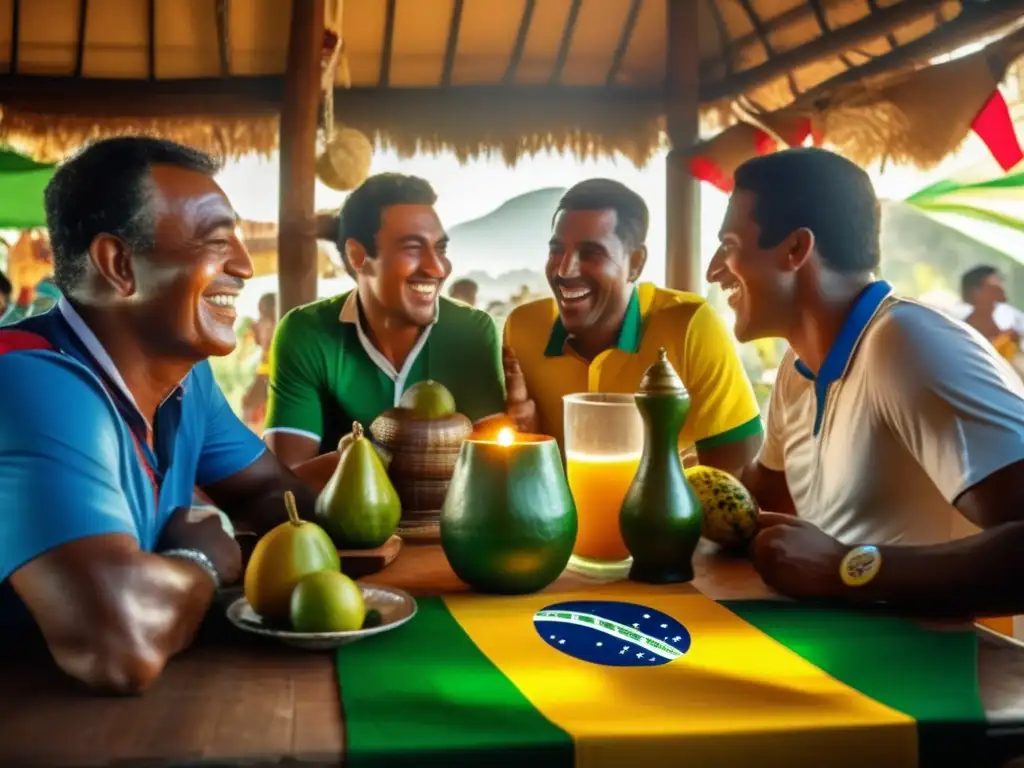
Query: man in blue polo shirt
x,y
110,418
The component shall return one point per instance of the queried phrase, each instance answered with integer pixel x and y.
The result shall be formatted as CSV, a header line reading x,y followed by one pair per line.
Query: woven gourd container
x,y
423,455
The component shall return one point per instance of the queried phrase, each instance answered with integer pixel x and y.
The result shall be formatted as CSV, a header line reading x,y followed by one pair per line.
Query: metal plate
x,y
396,607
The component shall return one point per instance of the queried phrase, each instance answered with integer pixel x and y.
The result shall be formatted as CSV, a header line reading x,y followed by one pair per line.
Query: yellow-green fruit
x,y
359,506
428,400
730,512
281,558
327,601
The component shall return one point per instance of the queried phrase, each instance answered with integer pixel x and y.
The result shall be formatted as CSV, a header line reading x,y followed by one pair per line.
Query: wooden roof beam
x,y
151,48
83,17
623,44
968,27
15,35
389,41
828,45
452,45
520,44
222,10
766,43
797,15
566,42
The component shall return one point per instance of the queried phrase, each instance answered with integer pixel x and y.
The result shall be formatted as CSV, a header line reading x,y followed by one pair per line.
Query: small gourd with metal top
x,y
661,517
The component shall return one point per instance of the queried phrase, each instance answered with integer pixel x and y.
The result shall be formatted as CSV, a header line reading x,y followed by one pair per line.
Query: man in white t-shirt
x,y
894,431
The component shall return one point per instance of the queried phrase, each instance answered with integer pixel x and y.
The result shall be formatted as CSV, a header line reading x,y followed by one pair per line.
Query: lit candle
x,y
508,522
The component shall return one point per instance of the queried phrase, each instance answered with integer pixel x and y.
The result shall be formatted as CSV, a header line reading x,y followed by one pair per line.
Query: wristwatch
x,y
199,558
860,565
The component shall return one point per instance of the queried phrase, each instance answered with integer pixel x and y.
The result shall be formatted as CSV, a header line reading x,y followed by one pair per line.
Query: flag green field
x,y
647,676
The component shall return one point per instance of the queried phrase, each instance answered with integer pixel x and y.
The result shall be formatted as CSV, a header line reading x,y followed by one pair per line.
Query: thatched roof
x,y
467,75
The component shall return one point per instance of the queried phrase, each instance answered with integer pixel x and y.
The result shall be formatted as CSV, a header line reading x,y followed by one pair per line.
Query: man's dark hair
x,y
360,215
631,215
972,279
103,188
5,286
463,285
821,191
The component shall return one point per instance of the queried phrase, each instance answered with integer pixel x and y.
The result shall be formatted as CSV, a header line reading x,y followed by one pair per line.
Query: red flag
x,y
994,126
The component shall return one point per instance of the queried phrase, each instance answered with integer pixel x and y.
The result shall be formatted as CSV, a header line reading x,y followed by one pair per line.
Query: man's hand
x,y
208,536
797,558
520,407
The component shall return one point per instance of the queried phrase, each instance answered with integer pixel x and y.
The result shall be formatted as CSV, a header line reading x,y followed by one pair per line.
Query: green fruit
x,y
281,558
328,601
359,506
508,522
730,512
428,400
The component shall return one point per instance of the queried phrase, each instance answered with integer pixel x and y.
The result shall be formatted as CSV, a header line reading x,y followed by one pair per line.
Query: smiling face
x,y
591,271
759,282
185,290
990,293
405,276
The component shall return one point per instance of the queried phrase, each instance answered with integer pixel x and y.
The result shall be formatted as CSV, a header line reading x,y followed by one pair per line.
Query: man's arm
x,y
294,424
111,614
765,475
237,471
981,575
951,404
768,487
958,410
724,421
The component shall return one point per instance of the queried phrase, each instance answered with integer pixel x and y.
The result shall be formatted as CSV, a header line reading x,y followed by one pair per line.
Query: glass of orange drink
x,y
604,439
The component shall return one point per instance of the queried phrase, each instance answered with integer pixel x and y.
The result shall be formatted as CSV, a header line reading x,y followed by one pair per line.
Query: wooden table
x,y
234,700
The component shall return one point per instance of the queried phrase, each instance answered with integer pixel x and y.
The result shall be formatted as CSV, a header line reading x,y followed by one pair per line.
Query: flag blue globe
x,y
612,633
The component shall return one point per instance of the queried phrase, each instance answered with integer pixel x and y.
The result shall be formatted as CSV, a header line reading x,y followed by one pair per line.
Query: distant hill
x,y
512,237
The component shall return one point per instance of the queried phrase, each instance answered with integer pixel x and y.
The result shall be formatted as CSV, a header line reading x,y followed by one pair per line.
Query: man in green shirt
x,y
350,357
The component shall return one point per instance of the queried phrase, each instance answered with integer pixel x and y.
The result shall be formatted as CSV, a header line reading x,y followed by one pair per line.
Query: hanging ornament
x,y
715,160
344,162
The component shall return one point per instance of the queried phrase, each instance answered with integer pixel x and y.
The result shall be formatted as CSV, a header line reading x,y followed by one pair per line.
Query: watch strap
x,y
198,557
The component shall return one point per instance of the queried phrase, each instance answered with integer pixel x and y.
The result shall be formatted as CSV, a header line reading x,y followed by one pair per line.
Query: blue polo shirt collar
x,y
101,358
840,354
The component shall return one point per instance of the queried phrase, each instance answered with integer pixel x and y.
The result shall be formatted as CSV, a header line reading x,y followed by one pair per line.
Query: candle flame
x,y
506,436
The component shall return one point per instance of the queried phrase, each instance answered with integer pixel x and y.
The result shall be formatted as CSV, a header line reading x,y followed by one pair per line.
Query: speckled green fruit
x,y
327,601
730,512
508,523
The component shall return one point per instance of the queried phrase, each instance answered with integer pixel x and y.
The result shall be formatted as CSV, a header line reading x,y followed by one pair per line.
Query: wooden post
x,y
296,236
682,191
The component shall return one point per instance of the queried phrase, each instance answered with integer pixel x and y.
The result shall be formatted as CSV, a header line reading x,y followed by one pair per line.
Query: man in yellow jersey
x,y
602,329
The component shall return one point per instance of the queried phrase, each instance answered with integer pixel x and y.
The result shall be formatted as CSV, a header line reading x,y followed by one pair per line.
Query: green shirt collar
x,y
629,334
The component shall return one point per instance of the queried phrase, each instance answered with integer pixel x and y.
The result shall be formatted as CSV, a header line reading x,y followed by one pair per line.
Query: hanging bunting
x,y
714,161
994,126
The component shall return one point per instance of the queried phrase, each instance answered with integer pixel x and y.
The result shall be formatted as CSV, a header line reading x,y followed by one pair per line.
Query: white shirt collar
x,y
351,312
88,338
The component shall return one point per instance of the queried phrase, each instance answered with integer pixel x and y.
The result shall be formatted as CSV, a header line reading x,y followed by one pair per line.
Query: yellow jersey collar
x,y
629,334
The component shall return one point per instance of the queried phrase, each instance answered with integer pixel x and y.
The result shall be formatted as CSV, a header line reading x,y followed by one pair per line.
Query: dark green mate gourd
x,y
661,517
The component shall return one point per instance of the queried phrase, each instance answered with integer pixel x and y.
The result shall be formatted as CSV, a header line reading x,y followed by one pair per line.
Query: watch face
x,y
860,566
